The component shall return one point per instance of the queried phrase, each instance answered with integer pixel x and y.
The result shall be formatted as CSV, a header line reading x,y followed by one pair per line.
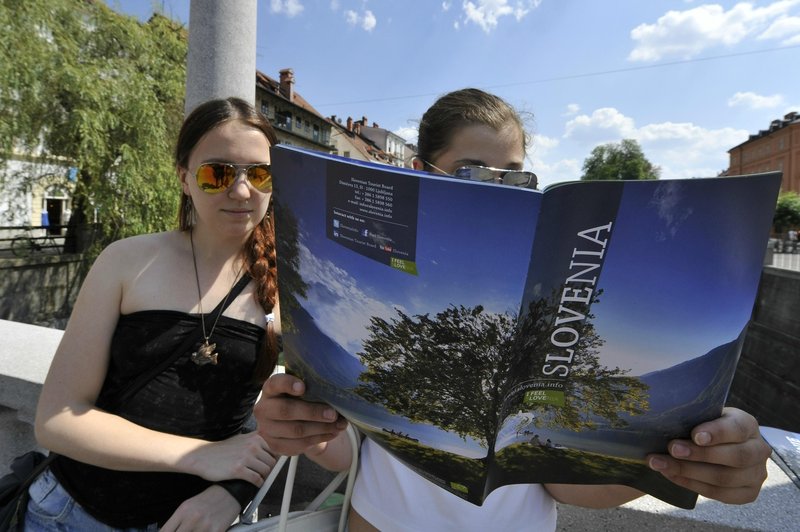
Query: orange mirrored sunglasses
x,y
214,178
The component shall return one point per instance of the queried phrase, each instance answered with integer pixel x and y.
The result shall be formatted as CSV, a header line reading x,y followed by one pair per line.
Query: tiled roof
x,y
273,87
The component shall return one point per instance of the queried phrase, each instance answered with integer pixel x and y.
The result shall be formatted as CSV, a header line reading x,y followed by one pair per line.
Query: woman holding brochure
x,y
475,135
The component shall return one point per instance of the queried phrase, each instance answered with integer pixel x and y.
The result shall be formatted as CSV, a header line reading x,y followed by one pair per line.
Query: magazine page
x,y
399,293
636,304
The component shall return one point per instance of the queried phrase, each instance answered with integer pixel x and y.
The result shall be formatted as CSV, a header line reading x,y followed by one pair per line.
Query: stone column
x,y
222,51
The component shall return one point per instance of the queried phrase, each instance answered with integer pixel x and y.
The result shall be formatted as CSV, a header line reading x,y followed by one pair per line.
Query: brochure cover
x,y
488,335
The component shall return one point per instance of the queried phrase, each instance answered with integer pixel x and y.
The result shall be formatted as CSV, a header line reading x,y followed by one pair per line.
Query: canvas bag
x,y
311,519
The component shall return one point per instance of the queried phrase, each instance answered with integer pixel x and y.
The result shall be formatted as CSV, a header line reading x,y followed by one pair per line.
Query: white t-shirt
x,y
393,498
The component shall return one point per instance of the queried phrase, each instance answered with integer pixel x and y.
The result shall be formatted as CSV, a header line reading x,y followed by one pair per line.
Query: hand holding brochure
x,y
488,335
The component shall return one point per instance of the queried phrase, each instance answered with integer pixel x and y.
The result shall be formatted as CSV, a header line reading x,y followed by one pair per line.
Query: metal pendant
x,y
205,354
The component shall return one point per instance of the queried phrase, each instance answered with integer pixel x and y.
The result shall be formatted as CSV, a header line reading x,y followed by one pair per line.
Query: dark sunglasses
x,y
214,178
514,178
487,174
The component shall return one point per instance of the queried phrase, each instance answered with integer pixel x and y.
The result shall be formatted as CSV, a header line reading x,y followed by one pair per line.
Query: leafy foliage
x,y
457,370
787,212
89,88
624,161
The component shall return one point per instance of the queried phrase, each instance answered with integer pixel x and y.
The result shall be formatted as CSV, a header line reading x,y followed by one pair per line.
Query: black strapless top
x,y
210,402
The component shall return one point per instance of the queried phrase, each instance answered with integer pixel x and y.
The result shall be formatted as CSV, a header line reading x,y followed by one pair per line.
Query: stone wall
x,y
40,289
767,380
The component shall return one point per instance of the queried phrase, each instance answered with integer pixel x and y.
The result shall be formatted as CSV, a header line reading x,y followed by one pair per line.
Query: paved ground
x,y
777,509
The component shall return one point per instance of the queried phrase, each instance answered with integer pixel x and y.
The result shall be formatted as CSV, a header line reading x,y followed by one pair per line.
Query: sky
x,y
687,79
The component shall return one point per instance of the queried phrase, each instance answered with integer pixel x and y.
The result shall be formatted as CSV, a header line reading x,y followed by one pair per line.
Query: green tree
x,y
622,161
787,212
86,87
457,370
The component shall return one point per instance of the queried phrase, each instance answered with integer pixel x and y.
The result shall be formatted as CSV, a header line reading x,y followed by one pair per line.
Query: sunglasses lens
x,y
517,179
214,178
260,176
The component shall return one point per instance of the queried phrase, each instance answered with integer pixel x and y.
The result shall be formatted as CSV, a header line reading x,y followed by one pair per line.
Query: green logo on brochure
x,y
403,265
548,397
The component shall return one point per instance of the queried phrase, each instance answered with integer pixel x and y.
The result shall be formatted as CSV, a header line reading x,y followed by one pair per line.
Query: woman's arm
x,y
67,422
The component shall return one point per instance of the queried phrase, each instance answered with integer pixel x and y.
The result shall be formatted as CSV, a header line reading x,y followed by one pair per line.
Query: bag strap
x,y
248,516
187,344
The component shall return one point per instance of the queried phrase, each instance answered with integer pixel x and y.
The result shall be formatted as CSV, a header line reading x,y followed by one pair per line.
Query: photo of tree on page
x,y
488,335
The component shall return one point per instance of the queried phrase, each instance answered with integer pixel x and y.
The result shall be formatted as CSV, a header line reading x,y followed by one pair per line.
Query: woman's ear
x,y
417,164
182,173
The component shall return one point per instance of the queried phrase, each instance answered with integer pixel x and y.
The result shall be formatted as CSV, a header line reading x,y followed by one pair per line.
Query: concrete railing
x,y
25,356
28,349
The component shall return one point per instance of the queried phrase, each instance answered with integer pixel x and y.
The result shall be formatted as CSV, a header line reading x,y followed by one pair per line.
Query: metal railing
x,y
26,240
785,254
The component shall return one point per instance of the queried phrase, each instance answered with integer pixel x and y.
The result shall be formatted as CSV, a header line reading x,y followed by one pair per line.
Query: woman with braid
x,y
173,455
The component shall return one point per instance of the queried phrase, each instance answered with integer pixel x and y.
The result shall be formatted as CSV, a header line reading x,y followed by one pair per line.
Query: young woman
x,y
173,455
472,131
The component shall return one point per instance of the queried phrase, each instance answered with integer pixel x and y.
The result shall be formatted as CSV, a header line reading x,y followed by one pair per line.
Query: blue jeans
x,y
52,508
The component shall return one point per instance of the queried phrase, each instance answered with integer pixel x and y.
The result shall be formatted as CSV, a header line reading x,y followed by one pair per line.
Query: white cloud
x,y
572,109
335,5
367,21
290,8
340,308
752,100
687,33
681,149
785,28
408,133
604,125
446,6
487,13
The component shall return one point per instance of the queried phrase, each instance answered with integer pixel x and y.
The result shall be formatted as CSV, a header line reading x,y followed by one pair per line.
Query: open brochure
x,y
488,335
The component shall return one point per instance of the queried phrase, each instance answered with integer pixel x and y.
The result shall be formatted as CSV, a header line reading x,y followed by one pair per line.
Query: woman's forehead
x,y
483,144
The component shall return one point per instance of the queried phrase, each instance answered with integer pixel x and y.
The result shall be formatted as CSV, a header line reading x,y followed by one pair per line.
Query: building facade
x,y
776,148
295,121
393,145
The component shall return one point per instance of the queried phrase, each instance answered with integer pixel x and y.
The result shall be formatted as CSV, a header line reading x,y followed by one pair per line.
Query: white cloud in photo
x,y
335,5
446,6
290,8
685,34
487,13
367,21
340,307
751,100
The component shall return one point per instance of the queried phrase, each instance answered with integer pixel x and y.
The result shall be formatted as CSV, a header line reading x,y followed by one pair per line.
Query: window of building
x,y
346,154
264,108
308,125
283,119
298,123
315,135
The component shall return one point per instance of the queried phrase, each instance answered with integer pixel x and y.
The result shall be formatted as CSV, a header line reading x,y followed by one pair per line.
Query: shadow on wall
x,y
40,289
